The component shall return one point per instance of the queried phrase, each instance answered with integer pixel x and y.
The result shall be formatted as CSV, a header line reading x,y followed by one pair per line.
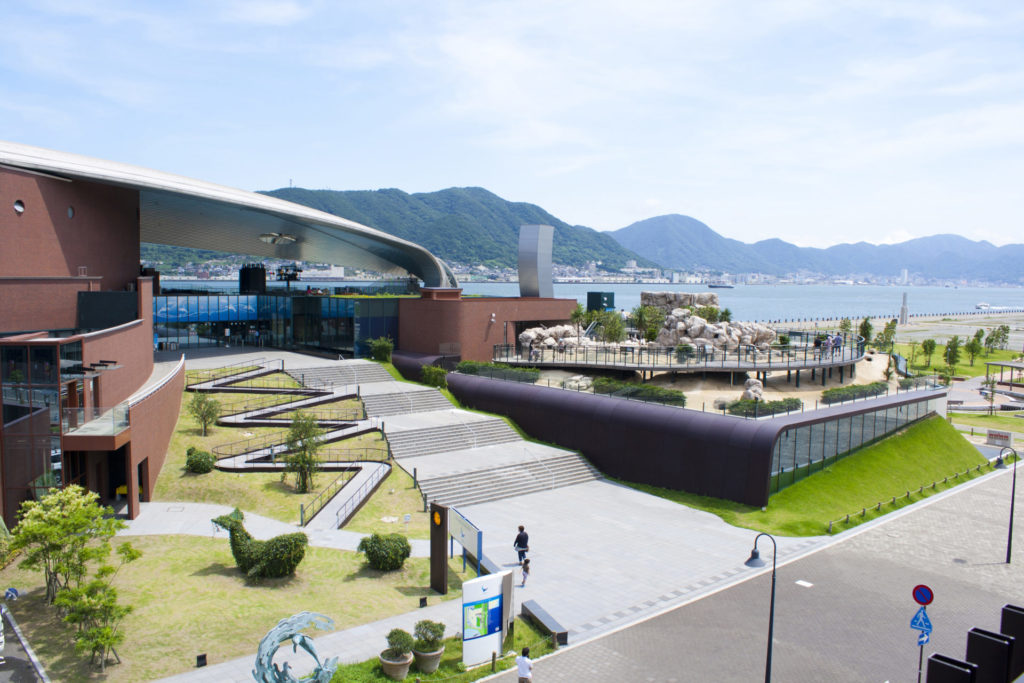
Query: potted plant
x,y
428,648
395,660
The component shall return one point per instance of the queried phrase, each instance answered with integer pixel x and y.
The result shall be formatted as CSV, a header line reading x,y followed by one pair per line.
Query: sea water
x,y
747,302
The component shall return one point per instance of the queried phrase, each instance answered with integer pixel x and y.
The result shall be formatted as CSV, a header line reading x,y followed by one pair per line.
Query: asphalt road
x,y
848,618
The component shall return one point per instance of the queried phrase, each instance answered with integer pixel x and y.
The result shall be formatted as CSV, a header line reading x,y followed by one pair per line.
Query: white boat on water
x,y
982,306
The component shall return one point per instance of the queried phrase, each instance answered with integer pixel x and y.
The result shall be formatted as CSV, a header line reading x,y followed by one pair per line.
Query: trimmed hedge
x,y
748,407
852,391
498,370
381,348
434,376
639,392
271,559
199,462
385,553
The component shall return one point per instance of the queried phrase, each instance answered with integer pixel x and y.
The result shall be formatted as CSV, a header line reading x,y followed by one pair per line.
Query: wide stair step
x,y
342,374
454,437
481,486
401,403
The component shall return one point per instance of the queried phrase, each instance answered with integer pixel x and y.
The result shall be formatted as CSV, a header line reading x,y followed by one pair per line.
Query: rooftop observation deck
x,y
696,359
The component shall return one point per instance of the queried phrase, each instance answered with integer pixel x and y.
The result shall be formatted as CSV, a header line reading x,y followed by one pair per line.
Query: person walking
x,y
522,543
526,573
524,666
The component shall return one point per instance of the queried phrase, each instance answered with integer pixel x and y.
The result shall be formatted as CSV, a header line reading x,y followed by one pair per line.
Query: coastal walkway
x,y
648,360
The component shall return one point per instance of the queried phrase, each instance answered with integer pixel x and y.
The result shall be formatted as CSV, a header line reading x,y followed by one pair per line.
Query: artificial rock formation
x,y
667,301
753,390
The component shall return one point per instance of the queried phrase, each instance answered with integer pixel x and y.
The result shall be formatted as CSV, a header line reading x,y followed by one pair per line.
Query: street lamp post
x,y
1001,464
756,561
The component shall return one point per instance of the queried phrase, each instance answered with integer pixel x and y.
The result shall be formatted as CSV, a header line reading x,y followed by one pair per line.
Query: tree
x,y
305,438
845,327
998,338
973,348
94,609
577,317
62,533
865,329
928,348
952,355
611,326
204,409
725,316
647,320
912,349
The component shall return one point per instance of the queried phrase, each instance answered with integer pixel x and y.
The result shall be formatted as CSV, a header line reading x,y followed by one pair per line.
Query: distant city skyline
x,y
817,123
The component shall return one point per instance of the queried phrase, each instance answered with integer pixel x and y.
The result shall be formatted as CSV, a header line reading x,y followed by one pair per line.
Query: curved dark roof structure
x,y
185,212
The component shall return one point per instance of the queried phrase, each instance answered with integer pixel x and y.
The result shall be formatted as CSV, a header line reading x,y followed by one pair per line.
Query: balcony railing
x,y
95,421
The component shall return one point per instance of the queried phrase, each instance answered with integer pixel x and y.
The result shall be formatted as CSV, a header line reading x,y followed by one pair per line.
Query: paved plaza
x,y
842,614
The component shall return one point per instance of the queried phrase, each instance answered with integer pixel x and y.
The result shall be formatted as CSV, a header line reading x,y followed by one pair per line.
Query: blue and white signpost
x,y
923,596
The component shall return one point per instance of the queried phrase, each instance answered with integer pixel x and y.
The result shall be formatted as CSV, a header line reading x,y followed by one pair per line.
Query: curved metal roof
x,y
193,213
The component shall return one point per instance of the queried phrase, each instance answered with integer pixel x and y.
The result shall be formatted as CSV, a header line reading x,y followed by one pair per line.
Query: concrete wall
x,y
463,326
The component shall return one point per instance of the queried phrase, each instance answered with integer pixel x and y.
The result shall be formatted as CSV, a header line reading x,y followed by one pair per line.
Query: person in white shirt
x,y
524,665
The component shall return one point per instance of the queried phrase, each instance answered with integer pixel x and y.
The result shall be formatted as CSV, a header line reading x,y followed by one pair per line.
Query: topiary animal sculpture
x,y
270,559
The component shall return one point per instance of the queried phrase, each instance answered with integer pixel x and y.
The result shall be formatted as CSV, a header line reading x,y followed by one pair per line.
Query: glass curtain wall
x,y
802,451
31,378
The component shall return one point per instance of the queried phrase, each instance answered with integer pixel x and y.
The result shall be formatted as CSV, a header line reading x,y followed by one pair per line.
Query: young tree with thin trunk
x,y
204,409
305,438
973,348
928,349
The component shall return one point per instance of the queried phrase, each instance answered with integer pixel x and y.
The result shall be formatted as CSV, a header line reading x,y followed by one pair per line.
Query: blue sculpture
x,y
289,629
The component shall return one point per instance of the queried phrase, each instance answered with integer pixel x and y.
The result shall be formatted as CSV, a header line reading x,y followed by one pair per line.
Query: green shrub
x,y
914,382
385,553
783,340
429,635
709,313
434,376
381,348
684,351
498,370
399,644
852,391
748,407
271,559
199,462
639,392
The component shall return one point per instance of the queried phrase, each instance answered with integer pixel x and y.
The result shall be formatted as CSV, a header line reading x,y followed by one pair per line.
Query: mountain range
x,y
473,226
684,243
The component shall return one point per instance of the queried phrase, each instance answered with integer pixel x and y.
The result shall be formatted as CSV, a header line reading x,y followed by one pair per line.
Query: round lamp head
x,y
755,559
1000,464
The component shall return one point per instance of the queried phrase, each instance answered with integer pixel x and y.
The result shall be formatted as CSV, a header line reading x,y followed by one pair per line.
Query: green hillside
x,y
463,225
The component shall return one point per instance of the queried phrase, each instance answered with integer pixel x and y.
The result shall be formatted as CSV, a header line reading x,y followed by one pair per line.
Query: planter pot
x,y
396,669
427,662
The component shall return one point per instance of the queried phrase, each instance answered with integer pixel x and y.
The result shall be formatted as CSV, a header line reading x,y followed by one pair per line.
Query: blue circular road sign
x,y
923,595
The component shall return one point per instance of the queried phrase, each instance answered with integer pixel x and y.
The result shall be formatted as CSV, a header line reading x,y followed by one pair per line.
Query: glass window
x,y
15,364
44,364
70,359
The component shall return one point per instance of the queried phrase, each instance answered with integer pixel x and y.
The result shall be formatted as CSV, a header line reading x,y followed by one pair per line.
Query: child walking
x,y
526,573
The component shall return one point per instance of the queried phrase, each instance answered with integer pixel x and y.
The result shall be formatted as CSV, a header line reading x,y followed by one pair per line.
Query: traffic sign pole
x,y
923,596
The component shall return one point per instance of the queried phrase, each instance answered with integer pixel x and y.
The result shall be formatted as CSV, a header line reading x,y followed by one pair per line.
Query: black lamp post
x,y
756,561
1001,464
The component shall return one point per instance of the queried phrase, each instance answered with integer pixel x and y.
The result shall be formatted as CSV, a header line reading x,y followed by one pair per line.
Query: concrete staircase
x,y
517,479
349,373
401,403
452,437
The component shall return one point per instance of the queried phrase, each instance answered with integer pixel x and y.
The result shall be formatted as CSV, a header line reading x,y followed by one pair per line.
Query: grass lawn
x,y
997,421
451,669
962,369
228,616
925,452
395,498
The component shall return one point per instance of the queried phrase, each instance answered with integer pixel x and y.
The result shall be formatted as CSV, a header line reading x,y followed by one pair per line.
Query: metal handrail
x,y
314,506
213,374
349,507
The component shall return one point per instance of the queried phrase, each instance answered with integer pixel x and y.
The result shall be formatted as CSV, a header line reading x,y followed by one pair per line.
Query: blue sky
x,y
817,122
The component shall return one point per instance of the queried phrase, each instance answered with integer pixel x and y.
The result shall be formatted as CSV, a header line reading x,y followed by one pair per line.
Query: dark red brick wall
x,y
153,420
43,241
131,345
425,325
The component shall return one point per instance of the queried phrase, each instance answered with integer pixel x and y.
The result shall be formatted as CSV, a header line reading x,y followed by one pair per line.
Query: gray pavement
x,y
842,613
